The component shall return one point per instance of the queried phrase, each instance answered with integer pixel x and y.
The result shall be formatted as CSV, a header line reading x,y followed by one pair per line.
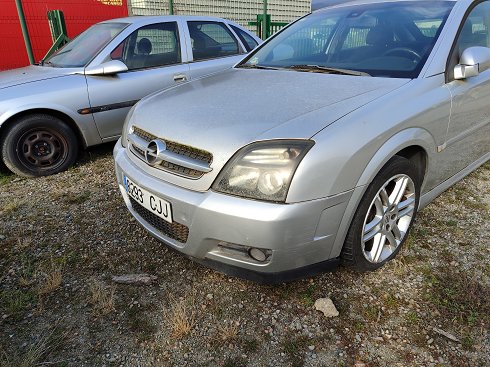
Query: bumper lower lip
x,y
300,235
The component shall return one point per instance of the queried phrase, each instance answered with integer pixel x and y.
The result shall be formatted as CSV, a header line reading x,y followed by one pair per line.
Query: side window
x,y
475,31
246,39
211,40
150,46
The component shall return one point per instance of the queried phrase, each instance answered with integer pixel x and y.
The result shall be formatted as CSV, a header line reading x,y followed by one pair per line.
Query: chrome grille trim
x,y
179,159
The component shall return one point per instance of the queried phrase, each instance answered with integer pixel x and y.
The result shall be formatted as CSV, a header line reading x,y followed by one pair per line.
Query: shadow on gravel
x,y
94,153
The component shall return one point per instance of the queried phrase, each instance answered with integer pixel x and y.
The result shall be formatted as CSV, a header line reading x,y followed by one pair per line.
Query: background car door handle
x,y
180,78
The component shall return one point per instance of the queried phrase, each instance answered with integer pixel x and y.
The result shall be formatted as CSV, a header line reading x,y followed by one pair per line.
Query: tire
x,y
38,145
384,216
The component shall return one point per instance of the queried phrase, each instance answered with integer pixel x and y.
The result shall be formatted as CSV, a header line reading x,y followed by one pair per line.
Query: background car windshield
x,y
385,39
86,46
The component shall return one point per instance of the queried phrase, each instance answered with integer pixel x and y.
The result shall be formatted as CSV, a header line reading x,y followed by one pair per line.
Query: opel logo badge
x,y
153,151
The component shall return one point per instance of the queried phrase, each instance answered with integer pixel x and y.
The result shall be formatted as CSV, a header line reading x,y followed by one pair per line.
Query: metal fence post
x,y
264,22
25,32
171,7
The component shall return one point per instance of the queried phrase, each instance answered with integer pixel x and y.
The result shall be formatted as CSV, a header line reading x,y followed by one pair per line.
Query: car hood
x,y
227,111
30,74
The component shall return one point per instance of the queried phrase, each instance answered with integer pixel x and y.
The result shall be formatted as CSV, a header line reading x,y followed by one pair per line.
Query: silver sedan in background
x,y
81,95
321,145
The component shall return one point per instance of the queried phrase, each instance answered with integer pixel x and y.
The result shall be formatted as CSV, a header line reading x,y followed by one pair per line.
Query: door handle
x,y
180,78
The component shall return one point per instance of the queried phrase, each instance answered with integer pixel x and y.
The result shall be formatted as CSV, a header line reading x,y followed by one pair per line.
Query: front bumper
x,y
299,237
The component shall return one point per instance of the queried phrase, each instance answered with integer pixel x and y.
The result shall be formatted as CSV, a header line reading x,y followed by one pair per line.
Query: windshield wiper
x,y
255,66
326,69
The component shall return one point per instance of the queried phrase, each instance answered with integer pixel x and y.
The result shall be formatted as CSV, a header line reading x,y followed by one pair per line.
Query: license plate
x,y
153,203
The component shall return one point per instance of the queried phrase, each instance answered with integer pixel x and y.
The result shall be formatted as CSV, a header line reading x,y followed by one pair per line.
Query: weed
x,y
16,301
234,362
76,198
101,297
412,318
295,348
307,296
11,207
5,178
36,353
140,323
391,301
467,342
228,332
250,345
180,317
52,278
370,313
459,297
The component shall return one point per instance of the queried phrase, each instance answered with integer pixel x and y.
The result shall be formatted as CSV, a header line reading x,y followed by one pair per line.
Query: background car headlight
x,y
263,170
124,136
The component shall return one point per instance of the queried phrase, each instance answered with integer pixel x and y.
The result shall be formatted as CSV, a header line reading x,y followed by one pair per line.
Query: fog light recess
x,y
258,254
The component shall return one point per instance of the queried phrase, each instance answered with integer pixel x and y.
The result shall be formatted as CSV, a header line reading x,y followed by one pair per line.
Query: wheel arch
x,y
48,111
414,144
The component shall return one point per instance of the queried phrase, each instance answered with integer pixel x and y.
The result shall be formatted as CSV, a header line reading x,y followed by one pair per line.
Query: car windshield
x,y
384,39
86,46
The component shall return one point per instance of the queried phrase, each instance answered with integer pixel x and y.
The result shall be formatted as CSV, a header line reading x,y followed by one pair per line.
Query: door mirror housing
x,y
473,61
107,68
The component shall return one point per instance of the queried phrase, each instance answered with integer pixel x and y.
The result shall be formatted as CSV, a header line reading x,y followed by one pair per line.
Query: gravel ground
x,y
62,238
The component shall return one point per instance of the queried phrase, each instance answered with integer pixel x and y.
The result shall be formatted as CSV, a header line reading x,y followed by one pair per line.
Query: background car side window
x,y
247,41
475,31
150,46
211,40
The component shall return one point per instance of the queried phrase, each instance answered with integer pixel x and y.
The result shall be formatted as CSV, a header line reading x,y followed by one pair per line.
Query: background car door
x,y
214,47
153,55
469,128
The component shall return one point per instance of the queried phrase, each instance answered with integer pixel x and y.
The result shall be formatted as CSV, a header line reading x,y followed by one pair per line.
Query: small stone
x,y
378,339
326,306
311,347
2,237
430,341
209,296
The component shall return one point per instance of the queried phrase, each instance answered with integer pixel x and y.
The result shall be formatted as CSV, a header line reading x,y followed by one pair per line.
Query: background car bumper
x,y
222,228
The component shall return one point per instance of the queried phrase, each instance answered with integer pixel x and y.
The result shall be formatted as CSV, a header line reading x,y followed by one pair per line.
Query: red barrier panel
x,y
79,15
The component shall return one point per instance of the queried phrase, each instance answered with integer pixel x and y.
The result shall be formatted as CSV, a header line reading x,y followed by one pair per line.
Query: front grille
x,y
181,149
176,231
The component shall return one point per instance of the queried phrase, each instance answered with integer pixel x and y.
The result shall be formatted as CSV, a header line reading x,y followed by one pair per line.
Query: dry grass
x,y
180,317
101,297
11,207
228,332
52,278
36,353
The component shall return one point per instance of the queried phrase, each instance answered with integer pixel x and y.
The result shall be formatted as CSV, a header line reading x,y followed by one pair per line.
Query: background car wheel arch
x,y
44,111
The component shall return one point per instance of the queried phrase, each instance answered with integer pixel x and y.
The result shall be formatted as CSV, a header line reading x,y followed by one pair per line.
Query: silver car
x,y
321,145
81,95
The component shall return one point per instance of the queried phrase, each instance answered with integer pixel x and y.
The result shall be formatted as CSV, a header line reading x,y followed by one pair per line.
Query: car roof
x,y
320,4
163,18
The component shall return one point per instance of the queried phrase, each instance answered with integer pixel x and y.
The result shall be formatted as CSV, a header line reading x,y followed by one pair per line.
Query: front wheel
x,y
39,145
383,219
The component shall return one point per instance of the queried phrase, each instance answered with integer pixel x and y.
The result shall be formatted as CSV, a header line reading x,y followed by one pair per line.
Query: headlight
x,y
124,137
263,170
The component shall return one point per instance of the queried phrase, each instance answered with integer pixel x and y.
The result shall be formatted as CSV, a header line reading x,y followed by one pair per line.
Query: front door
x,y
469,128
153,55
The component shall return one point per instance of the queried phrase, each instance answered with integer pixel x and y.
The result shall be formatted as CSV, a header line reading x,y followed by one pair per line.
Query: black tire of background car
x,y
352,254
53,136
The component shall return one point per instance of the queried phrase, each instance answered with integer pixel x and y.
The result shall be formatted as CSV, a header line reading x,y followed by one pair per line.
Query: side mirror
x,y
107,68
473,61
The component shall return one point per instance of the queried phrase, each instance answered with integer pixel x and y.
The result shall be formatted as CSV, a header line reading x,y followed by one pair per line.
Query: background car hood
x,y
227,111
30,74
